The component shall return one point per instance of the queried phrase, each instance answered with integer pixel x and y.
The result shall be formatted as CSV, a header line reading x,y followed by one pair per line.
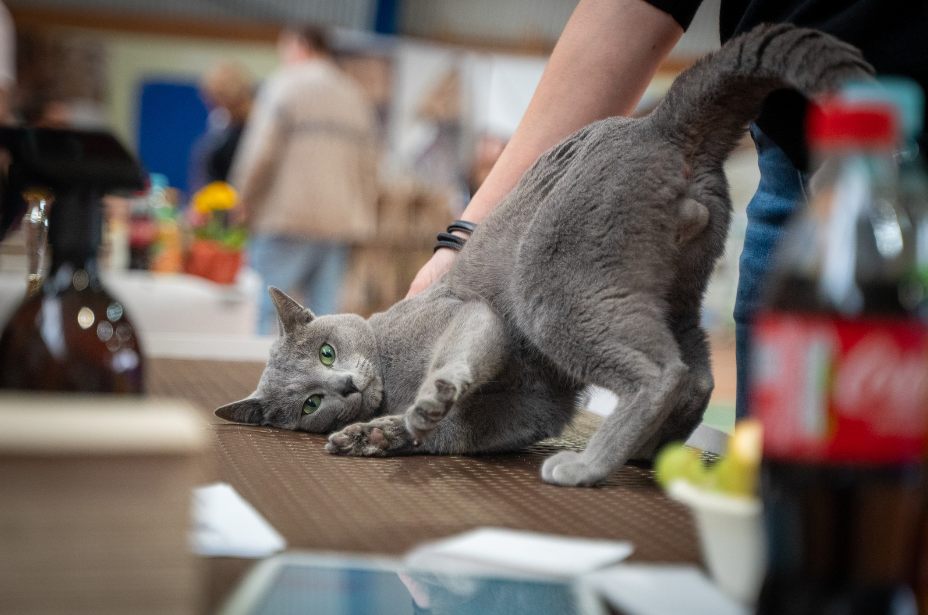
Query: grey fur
x,y
591,271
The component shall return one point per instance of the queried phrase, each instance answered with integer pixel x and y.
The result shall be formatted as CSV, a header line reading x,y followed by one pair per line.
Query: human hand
x,y
437,266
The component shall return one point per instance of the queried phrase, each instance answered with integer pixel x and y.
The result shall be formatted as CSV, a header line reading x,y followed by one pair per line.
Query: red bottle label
x,y
841,390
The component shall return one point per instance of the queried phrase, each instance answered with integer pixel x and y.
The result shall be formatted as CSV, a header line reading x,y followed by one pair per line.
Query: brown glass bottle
x,y
72,335
839,385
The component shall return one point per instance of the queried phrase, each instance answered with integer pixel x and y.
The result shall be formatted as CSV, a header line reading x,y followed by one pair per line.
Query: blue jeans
x,y
310,271
781,190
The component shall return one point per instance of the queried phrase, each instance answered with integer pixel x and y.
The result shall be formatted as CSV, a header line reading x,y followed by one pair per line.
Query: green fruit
x,y
696,471
733,477
676,461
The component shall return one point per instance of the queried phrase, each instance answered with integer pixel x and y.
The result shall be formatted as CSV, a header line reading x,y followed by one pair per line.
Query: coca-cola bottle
x,y
909,100
840,382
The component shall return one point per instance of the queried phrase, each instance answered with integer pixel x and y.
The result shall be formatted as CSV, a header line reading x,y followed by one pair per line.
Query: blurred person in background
x,y
228,92
306,171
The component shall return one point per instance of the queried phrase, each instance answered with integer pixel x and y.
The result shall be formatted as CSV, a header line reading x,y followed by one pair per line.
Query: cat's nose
x,y
346,386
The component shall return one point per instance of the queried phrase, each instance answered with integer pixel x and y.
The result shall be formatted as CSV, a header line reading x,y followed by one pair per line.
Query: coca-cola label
x,y
841,390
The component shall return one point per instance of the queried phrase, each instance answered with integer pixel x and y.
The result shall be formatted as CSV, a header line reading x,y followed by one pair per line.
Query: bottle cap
x,y
903,93
859,125
159,181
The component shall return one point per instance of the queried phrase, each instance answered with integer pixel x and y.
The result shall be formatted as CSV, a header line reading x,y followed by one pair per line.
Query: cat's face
x,y
321,376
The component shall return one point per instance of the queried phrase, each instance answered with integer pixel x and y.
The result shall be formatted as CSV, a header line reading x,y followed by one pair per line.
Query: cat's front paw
x,y
570,469
430,408
378,438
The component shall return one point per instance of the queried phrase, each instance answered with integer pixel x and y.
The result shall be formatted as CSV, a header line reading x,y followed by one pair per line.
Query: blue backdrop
x,y
171,117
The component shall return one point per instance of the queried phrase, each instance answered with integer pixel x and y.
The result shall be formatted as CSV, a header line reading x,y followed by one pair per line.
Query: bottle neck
x,y
852,250
74,232
825,153
875,168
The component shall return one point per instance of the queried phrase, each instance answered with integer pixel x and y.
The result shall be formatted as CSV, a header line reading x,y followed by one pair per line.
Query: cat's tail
x,y
709,105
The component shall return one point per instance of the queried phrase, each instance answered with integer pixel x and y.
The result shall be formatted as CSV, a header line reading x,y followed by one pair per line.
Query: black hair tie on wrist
x,y
463,226
447,240
453,242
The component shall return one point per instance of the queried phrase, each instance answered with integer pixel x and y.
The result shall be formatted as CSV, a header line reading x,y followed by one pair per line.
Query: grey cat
x,y
590,272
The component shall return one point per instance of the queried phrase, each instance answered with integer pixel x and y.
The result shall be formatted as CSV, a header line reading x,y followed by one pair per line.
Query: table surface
x,y
387,506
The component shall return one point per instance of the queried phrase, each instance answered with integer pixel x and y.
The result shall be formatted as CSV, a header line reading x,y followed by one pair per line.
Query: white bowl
x,y
731,533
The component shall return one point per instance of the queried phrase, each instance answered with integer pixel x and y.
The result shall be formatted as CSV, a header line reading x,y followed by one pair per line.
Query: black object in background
x,y
71,335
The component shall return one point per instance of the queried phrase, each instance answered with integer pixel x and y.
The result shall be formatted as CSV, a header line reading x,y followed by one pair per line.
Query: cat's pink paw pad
x,y
338,439
372,439
445,392
376,438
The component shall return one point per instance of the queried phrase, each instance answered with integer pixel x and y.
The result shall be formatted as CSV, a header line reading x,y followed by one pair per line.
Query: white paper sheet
x,y
496,549
644,589
225,525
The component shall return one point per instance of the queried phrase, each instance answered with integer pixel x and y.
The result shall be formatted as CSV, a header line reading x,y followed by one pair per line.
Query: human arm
x,y
603,61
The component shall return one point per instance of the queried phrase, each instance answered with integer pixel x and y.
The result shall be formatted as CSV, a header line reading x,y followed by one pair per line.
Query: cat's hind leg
x,y
692,403
471,351
634,354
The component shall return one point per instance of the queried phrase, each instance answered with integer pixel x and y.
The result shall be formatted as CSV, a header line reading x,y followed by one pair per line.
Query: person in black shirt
x,y
610,50
888,32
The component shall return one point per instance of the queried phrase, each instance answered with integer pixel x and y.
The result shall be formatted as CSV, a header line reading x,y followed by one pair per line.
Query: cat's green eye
x,y
327,354
311,404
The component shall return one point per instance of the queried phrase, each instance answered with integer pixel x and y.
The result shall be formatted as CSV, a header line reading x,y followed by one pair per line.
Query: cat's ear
x,y
290,314
245,411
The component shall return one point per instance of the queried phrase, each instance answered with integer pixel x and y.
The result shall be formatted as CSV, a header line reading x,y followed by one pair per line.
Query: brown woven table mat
x,y
319,501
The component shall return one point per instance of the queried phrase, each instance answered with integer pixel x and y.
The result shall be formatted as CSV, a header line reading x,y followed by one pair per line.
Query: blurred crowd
x,y
300,151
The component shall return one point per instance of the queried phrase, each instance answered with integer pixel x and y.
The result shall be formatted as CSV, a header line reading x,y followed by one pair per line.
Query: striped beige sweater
x,y
307,162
